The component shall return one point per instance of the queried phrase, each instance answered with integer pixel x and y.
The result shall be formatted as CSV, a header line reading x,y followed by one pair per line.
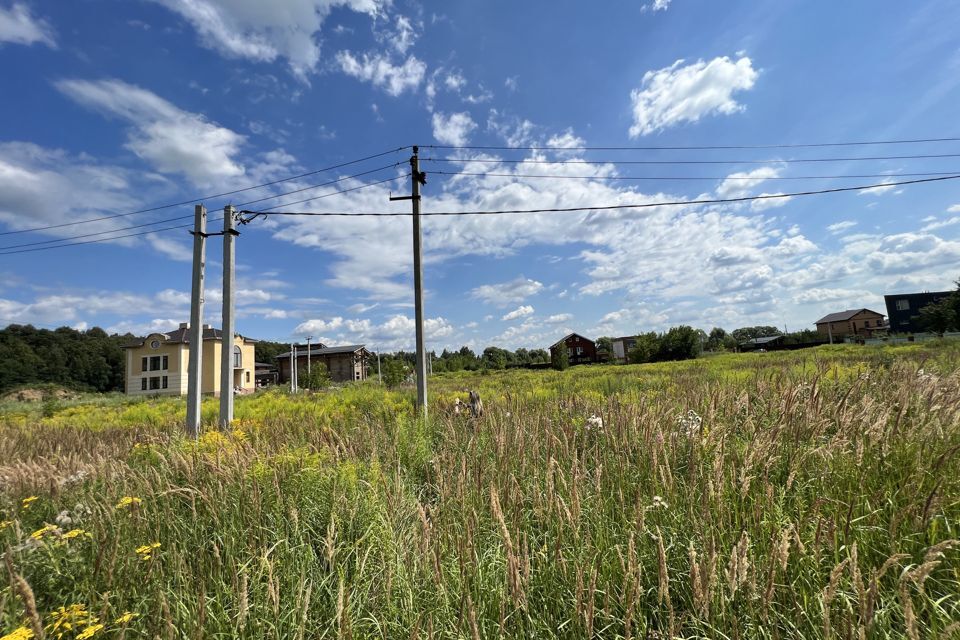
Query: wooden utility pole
x,y
195,364
417,179
229,328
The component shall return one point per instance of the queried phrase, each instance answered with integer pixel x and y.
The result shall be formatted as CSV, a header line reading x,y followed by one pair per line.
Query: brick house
x,y
157,364
345,364
580,350
852,322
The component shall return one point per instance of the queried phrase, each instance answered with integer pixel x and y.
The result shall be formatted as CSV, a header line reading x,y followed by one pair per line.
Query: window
x,y
237,358
163,382
357,375
155,344
579,350
866,323
164,365
154,383
248,377
903,305
144,363
155,363
143,384
576,338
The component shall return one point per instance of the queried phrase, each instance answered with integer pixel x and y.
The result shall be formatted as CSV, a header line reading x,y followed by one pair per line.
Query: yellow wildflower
x,y
146,551
65,621
90,631
40,533
129,501
28,501
20,633
75,533
3,526
126,618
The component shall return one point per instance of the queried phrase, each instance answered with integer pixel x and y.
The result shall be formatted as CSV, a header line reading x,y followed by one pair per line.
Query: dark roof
x,y
567,337
764,340
181,335
326,351
840,316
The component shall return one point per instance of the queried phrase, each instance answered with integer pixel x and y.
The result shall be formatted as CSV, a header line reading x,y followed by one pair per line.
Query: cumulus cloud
x,y
170,139
519,312
678,93
507,293
884,187
19,26
395,332
838,227
453,129
381,72
559,318
260,31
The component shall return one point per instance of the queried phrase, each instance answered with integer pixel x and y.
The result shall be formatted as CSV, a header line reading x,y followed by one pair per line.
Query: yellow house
x,y
157,364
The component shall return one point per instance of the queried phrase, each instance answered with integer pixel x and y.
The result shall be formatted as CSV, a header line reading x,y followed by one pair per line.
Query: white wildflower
x,y
659,503
594,422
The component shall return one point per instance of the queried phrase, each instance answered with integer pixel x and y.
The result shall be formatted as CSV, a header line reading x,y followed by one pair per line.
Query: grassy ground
x,y
811,494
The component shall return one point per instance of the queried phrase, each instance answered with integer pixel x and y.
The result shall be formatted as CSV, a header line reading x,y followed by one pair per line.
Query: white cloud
x,y
954,209
380,71
512,83
262,31
885,187
559,318
17,26
821,294
941,223
507,293
566,140
678,94
741,183
517,313
838,227
172,140
395,332
656,5
454,129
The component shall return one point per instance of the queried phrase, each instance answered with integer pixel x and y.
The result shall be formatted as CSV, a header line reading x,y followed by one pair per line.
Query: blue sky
x,y
116,106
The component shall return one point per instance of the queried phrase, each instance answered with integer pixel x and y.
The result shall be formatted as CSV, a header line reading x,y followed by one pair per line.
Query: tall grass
x,y
802,495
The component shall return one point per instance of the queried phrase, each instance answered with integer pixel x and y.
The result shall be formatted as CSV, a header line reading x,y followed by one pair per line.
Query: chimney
x,y
206,326
184,325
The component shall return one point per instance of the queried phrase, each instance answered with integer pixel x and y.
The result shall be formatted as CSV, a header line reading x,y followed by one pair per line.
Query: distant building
x,y
761,344
343,363
157,364
852,322
622,348
903,309
264,374
580,350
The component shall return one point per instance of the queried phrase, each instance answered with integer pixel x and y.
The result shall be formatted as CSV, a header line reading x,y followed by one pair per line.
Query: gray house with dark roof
x,y
344,363
852,322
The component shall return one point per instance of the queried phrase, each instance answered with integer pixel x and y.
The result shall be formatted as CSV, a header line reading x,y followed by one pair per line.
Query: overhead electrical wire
x,y
693,147
454,174
208,197
643,205
128,235
147,224
768,161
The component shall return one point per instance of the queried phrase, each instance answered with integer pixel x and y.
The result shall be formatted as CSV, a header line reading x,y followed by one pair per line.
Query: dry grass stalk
x,y
829,592
23,590
514,581
909,618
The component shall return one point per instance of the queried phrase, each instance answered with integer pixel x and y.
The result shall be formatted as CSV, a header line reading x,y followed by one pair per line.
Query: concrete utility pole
x,y
417,179
229,328
195,364
379,375
293,368
309,338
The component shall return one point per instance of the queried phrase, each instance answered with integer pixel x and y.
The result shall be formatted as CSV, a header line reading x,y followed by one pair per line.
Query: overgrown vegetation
x,y
809,494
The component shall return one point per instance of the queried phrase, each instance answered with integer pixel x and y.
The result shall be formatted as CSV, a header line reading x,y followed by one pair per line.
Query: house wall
x,y
341,367
903,320
857,325
588,350
135,372
178,359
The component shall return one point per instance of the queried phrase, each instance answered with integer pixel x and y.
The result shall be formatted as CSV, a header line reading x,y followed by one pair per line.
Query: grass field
x,y
812,494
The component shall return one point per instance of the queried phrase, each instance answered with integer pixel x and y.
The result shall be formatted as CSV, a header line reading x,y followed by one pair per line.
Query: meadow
x,y
810,494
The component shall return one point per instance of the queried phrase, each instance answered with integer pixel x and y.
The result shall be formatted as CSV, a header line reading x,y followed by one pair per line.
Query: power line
x,y
513,211
693,178
773,161
335,193
608,207
147,224
325,184
129,235
207,197
693,147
